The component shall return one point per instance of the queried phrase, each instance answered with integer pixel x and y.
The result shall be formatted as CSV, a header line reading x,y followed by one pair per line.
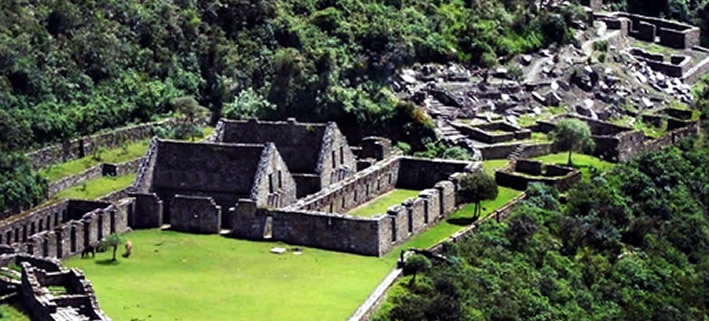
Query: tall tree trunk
x,y
570,164
115,248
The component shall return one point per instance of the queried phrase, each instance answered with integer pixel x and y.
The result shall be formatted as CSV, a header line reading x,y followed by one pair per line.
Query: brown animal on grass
x,y
129,249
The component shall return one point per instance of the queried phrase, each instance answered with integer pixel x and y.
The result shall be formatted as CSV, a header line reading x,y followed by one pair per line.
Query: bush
x,y
601,45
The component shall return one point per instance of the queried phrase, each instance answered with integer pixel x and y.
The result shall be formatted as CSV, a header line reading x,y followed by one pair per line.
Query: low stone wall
x,y
563,178
673,137
677,67
83,146
536,150
195,214
74,180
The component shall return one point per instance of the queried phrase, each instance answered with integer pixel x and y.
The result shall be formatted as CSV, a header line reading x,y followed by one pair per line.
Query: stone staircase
x,y
516,154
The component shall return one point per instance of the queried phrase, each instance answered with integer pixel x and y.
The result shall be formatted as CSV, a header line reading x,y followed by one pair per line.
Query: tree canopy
x,y
572,135
629,245
477,187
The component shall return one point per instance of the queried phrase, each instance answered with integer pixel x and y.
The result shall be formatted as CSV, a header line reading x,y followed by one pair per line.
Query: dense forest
x,y
71,68
629,245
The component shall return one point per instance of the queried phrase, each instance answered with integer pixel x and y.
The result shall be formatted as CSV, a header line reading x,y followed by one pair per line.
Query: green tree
x,y
573,135
416,264
476,188
113,240
190,114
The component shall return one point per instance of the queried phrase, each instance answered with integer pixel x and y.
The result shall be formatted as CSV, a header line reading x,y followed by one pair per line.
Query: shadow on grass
x,y
462,221
108,262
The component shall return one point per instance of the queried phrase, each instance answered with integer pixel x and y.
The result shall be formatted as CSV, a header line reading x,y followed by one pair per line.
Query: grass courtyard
x,y
581,161
176,276
380,204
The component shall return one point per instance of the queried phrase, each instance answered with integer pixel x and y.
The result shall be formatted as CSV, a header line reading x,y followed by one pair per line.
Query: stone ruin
x,y
521,173
468,104
49,291
247,180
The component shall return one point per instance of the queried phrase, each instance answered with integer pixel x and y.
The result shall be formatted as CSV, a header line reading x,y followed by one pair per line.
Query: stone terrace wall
x,y
83,146
92,173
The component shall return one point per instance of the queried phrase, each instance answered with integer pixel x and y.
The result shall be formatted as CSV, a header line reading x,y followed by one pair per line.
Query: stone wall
x,y
335,160
677,67
563,178
419,173
355,190
65,228
79,303
314,221
195,214
92,173
500,151
368,236
83,146
671,33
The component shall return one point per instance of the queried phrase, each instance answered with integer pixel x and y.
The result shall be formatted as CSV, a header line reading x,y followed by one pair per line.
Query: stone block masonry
x,y
311,221
78,303
195,214
65,228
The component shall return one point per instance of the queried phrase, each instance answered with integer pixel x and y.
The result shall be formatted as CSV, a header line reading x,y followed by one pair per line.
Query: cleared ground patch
x,y
380,204
176,276
96,188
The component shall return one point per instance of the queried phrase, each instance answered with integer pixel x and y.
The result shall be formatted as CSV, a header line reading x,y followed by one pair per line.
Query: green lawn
x,y
491,166
96,188
581,161
13,312
117,155
175,276
380,204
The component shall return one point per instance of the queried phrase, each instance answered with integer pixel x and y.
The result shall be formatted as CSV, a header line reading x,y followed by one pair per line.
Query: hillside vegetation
x,y
630,245
71,68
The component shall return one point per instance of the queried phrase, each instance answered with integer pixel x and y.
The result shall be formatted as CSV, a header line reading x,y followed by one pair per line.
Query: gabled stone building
x,y
197,182
317,154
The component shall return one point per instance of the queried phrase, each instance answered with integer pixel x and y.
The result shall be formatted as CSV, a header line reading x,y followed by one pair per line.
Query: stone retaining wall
x,y
92,173
86,145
